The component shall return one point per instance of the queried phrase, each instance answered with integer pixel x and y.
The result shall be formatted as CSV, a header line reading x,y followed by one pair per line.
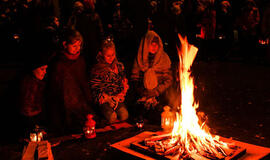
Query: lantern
x,y
90,127
37,135
140,124
167,119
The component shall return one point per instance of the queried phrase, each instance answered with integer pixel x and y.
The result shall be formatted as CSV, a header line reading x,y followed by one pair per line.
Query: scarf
x,y
161,60
102,64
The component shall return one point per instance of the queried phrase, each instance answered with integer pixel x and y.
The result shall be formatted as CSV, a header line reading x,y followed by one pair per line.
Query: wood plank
x,y
44,151
29,151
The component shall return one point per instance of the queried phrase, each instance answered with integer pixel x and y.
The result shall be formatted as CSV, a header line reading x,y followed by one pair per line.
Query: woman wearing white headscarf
x,y
151,71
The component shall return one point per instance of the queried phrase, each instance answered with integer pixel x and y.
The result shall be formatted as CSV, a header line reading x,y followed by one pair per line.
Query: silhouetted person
x,y
69,95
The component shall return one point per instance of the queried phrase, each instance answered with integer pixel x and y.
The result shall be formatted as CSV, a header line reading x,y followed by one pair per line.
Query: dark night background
x,y
231,73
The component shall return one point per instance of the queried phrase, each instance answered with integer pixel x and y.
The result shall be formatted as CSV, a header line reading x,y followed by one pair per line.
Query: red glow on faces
x,y
109,55
153,47
73,49
40,72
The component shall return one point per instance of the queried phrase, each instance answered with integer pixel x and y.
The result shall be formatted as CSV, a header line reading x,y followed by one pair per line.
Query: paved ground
x,y
236,98
232,90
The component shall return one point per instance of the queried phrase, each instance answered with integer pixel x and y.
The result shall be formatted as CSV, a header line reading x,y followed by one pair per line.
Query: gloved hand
x,y
150,93
148,103
126,86
112,100
151,102
121,97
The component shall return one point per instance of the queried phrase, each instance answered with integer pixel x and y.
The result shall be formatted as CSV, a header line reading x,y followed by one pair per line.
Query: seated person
x,y
109,83
151,74
68,92
32,96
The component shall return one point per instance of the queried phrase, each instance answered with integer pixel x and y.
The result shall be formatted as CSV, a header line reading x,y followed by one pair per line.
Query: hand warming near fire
x,y
109,84
151,73
32,91
113,100
71,96
121,95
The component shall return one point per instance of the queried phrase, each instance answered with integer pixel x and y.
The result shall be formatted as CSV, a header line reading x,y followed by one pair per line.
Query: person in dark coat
x,y
87,21
32,96
69,95
109,84
247,24
122,29
48,42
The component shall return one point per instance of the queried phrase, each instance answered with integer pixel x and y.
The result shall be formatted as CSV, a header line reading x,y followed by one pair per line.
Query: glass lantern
x,y
37,134
167,119
89,132
90,127
140,124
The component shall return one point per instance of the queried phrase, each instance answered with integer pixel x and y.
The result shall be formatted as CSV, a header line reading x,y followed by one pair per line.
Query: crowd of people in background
x,y
101,57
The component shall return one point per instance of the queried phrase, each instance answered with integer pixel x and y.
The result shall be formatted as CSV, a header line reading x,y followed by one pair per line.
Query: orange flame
x,y
186,127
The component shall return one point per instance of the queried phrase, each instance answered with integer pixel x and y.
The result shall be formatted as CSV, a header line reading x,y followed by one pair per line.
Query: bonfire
x,y
190,137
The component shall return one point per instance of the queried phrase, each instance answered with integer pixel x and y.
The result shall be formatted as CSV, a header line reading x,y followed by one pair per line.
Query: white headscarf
x,y
161,60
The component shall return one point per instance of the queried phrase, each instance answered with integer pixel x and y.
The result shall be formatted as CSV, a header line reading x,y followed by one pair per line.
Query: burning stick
x,y
150,144
212,155
157,138
159,148
186,156
172,151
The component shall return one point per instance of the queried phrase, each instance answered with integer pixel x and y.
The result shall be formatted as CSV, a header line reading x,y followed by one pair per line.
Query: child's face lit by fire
x,y
40,72
109,55
74,48
153,47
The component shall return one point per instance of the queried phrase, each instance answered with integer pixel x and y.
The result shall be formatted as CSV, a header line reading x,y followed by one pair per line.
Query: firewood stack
x,y
167,146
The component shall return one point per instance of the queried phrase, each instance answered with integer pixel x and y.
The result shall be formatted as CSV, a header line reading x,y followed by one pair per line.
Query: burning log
x,y
172,151
156,142
167,145
159,148
186,157
219,149
177,151
150,144
157,138
215,155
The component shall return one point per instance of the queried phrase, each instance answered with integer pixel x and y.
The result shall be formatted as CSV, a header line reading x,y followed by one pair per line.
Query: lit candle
x,y
33,137
39,136
167,119
167,122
